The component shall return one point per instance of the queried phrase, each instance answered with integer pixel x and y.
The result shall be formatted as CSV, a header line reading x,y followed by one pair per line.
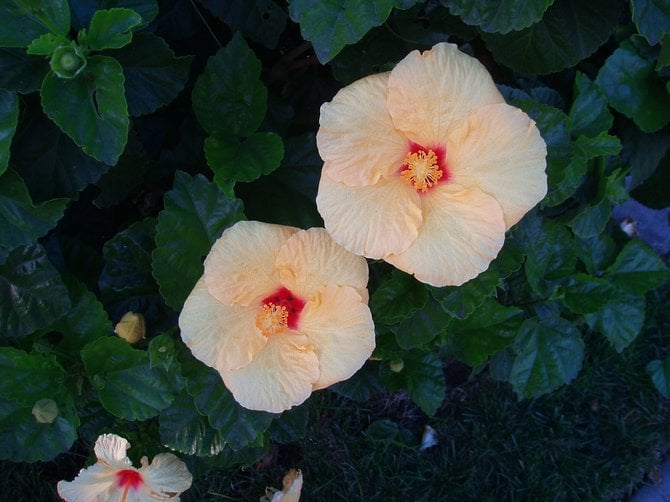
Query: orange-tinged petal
x,y
166,477
372,221
463,231
311,259
279,377
339,326
430,93
356,136
222,336
96,480
240,266
500,150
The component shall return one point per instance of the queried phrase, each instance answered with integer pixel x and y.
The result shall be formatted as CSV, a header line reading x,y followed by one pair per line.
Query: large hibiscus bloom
x,y
426,166
279,312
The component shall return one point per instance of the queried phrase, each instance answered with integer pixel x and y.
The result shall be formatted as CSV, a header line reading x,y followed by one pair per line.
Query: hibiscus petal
x,y
339,326
110,450
224,337
356,136
166,476
240,266
499,149
462,232
372,221
280,376
430,93
311,259
89,483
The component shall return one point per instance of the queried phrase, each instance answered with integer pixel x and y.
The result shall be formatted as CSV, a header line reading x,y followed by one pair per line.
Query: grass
x,y
592,440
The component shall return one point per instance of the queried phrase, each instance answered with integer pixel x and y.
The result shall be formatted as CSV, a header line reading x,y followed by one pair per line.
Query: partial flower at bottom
x,y
279,312
292,486
427,167
113,477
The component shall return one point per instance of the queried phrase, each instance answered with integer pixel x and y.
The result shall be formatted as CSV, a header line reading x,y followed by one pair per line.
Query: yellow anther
x,y
421,170
272,319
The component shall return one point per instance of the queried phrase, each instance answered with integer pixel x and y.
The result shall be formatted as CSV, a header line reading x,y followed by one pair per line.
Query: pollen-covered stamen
x,y
421,169
272,319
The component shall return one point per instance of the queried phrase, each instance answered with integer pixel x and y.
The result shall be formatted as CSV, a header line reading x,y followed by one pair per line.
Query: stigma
x,y
421,170
272,319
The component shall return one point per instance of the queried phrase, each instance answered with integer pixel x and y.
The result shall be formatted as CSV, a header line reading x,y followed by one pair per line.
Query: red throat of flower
x,y
423,168
128,479
279,311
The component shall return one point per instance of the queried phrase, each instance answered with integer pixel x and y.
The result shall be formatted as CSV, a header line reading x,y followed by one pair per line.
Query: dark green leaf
x,y
424,325
363,385
32,295
110,29
638,268
499,16
91,108
332,24
9,116
291,425
26,378
461,301
659,371
397,298
46,44
229,96
585,294
234,159
196,213
591,221
652,18
25,20
549,354
643,152
589,115
383,431
620,320
596,252
633,88
154,76
83,10
569,31
21,72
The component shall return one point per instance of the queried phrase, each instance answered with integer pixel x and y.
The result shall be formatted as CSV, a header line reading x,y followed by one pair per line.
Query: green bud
x,y
397,365
45,411
68,60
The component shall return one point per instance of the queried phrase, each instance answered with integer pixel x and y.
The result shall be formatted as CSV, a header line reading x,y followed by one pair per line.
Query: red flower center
x,y
127,479
424,167
279,311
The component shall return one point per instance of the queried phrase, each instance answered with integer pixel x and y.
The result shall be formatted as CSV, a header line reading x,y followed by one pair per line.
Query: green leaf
x,y
643,152
291,425
490,329
127,385
9,116
569,31
499,16
664,55
591,221
596,252
332,24
363,385
549,353
659,371
21,72
422,378
110,29
32,295
424,325
154,76
261,20
585,294
638,269
652,18
234,159
84,10
620,320
633,88
46,44
91,108
196,213
397,298
26,378
25,20
229,96
589,115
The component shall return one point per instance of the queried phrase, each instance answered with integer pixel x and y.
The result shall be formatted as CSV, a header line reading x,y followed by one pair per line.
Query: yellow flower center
x,y
421,170
272,319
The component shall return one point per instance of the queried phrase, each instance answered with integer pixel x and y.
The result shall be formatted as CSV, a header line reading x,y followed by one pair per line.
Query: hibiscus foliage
x,y
132,135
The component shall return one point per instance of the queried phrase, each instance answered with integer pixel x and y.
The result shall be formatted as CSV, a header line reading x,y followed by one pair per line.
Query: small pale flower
x,y
279,312
113,477
427,167
131,327
292,485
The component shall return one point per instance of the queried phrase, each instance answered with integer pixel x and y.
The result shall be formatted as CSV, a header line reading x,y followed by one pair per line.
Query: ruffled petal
x,y
499,149
339,326
279,377
430,93
463,231
222,336
166,477
96,480
240,267
372,221
110,450
311,259
356,136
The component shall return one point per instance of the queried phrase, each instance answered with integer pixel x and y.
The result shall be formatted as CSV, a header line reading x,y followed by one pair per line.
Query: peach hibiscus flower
x,y
113,476
426,166
279,312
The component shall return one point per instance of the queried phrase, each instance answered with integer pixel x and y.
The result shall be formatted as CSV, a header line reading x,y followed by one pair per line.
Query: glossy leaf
x,y
652,18
585,294
499,16
644,152
332,24
196,213
9,116
659,371
638,268
26,378
25,20
91,108
620,320
423,326
20,72
110,29
397,298
589,115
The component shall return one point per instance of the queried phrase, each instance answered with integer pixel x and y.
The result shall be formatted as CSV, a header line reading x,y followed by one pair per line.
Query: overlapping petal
x,y
338,325
356,137
240,266
110,450
462,233
499,149
431,93
279,377
89,483
166,477
222,336
372,221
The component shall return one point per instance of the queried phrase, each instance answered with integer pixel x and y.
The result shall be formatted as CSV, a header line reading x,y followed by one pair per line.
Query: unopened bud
x,y
45,411
130,327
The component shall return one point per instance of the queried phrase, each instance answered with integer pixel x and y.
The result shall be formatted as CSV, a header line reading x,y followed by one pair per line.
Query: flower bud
x,y
396,365
68,60
131,327
45,411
